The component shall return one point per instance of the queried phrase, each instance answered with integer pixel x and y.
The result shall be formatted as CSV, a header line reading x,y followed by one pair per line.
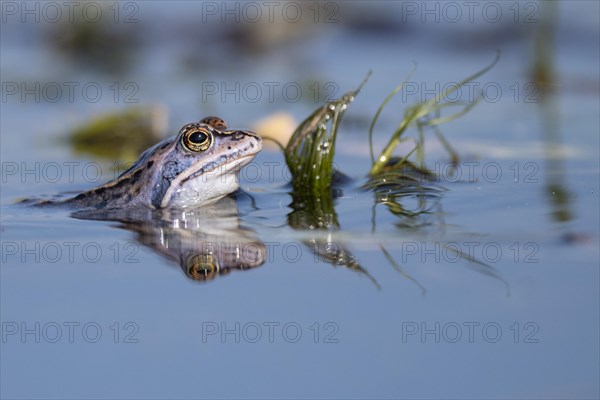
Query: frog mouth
x,y
219,168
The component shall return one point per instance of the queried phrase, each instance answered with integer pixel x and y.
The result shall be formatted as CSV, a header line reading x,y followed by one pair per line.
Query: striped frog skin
x,y
198,166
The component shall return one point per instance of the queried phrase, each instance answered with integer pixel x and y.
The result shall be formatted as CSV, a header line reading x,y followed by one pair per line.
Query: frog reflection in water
x,y
205,242
196,167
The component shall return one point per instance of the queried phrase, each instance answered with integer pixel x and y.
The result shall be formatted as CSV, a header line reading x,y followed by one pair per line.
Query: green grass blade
x,y
382,106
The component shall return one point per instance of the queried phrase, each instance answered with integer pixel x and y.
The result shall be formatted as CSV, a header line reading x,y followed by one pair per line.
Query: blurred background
x,y
99,82
246,61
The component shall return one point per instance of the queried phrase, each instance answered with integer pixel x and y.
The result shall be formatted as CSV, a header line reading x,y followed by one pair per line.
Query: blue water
x,y
89,311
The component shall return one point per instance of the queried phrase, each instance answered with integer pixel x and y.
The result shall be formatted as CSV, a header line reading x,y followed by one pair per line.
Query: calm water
x,y
97,309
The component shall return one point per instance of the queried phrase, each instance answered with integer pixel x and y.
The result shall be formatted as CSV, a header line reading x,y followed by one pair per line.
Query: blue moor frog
x,y
198,166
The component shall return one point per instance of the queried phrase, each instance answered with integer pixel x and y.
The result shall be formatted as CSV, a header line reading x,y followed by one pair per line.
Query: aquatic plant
x,y
424,114
310,151
309,156
120,136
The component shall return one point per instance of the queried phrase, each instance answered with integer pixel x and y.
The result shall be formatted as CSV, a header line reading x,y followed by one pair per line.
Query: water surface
x,y
95,309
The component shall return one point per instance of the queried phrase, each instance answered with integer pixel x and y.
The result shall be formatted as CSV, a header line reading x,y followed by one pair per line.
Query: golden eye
x,y
197,139
202,267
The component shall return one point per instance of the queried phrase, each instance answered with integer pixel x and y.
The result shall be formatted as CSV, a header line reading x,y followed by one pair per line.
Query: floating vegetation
x,y
425,114
394,180
120,136
309,156
309,153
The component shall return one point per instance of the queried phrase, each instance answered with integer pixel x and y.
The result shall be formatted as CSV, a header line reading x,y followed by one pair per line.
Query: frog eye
x,y
202,267
197,139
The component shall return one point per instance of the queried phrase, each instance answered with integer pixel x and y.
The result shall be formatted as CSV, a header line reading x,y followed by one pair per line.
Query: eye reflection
x,y
203,267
